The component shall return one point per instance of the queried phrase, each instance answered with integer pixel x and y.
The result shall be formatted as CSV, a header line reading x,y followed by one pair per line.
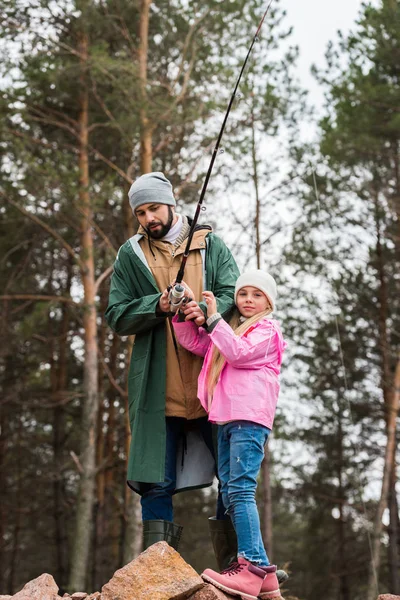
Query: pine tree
x,y
360,136
74,115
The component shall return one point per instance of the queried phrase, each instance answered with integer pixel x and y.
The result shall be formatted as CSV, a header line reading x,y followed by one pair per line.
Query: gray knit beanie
x,y
151,188
259,279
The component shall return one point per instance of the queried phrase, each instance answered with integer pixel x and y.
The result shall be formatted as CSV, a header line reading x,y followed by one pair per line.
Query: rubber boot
x,y
161,531
224,541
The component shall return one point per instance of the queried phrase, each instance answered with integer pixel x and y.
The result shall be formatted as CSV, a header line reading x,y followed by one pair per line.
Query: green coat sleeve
x,y
222,273
131,308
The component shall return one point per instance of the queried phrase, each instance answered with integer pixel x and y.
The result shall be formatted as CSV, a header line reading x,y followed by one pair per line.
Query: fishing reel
x,y
176,297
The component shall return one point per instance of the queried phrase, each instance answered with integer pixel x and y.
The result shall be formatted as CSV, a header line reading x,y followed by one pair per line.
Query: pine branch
x,y
102,277
112,165
107,111
97,228
47,228
113,382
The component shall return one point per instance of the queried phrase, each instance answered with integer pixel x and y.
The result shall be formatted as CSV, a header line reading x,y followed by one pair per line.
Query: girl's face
x,y
251,301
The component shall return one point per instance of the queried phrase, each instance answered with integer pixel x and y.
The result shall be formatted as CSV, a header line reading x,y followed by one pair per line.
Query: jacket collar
x,y
198,240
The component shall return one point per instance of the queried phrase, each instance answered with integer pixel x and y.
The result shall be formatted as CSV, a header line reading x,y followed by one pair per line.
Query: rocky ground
x,y
159,573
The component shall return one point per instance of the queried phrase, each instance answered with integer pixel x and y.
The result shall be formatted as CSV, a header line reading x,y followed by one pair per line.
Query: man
x,y
171,447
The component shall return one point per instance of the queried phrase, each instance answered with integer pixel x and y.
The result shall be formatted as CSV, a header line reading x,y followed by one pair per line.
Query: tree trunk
x,y
131,518
112,424
385,385
390,451
131,542
85,500
14,565
344,592
112,507
394,526
266,521
5,357
100,524
60,388
61,540
393,531
100,445
132,521
146,152
3,515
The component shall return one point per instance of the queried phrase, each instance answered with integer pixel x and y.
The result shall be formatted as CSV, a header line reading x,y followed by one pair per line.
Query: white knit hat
x,y
259,279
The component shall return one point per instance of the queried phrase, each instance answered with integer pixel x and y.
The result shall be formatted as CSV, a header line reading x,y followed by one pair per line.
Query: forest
x,y
95,93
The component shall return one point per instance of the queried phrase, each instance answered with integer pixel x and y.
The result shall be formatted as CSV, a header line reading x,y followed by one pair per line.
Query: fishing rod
x,y
177,291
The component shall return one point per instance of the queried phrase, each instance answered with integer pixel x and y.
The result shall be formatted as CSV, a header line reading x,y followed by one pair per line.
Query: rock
x,y
95,596
209,592
79,595
159,573
5,597
41,588
384,597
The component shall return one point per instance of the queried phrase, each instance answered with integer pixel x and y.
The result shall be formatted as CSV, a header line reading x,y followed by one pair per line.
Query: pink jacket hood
x,y
248,387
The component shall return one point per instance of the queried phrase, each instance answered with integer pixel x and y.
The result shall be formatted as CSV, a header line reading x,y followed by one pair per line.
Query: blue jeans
x,y
240,453
156,498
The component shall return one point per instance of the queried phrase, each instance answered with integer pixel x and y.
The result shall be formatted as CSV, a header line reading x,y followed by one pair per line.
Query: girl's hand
x,y
192,311
211,303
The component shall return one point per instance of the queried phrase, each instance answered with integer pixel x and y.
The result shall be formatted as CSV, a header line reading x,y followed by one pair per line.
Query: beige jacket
x,y
183,367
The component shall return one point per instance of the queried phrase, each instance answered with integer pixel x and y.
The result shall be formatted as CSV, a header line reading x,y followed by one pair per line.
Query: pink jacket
x,y
248,386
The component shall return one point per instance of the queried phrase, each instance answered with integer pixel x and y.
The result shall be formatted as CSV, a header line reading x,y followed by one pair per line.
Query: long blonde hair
x,y
217,362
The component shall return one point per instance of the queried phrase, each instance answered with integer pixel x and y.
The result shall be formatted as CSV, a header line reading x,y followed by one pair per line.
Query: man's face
x,y
156,219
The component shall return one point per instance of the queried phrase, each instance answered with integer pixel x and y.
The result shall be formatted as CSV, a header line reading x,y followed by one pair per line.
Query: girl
x,y
238,386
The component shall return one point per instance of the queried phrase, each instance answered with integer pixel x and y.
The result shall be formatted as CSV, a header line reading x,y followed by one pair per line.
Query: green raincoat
x,y
131,310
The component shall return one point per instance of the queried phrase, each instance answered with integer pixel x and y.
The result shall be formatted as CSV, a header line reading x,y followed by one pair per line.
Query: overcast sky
x,y
315,23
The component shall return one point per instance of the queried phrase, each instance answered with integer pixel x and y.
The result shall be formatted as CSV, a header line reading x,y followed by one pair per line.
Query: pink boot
x,y
270,586
242,579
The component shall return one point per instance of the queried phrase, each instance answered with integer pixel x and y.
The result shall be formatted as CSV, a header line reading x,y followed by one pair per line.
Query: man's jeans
x,y
156,498
240,453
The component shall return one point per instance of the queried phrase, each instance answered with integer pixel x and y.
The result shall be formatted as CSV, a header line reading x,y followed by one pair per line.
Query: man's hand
x,y
211,303
163,303
193,312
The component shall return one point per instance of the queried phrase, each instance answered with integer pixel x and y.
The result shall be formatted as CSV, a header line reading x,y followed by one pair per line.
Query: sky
x,y
315,23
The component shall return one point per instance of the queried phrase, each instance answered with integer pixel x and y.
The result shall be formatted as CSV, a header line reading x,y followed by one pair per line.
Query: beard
x,y
157,234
